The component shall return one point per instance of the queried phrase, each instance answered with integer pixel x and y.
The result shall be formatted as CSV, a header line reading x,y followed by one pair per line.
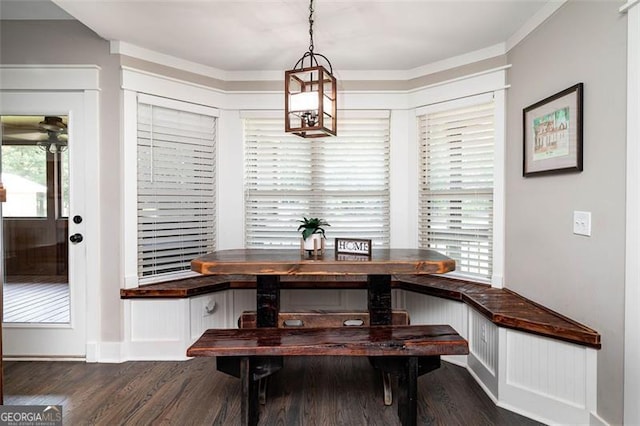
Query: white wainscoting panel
x,y
483,352
303,300
241,300
547,379
563,363
156,320
156,329
424,309
296,300
208,311
397,299
483,340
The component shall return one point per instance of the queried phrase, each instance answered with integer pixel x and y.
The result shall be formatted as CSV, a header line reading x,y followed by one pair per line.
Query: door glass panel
x,y
24,174
35,175
64,186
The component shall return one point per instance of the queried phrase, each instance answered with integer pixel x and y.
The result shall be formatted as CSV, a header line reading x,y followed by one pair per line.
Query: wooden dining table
x,y
268,265
389,347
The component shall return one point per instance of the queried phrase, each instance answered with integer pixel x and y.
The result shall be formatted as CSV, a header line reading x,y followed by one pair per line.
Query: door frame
x,y
85,80
632,268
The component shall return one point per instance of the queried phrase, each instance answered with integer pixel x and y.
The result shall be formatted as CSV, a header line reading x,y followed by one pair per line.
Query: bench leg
x,y
386,388
267,300
249,408
262,386
408,393
379,299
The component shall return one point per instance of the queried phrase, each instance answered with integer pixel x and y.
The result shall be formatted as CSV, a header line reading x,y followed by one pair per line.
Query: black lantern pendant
x,y
310,94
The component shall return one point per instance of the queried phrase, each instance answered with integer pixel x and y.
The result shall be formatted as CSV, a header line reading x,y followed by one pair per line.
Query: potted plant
x,y
312,230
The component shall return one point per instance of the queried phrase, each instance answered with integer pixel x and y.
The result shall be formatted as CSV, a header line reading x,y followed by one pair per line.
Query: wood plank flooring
x,y
34,299
307,391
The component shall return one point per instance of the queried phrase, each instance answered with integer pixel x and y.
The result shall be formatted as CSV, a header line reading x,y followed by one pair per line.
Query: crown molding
x,y
457,61
128,49
534,22
628,5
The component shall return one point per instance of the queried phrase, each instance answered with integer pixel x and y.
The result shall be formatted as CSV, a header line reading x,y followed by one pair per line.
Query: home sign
x,y
353,246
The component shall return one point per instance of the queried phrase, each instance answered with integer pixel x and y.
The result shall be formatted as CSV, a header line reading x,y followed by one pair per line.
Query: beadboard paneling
x,y
547,367
157,320
483,359
483,341
208,311
552,381
241,300
424,309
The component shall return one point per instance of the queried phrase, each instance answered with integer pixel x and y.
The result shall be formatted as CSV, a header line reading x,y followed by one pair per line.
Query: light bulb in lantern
x,y
305,106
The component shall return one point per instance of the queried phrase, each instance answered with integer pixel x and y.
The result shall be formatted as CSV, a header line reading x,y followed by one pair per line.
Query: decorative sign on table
x,y
353,246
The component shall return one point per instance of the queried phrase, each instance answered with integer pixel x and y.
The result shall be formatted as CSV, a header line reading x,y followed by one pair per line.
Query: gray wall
x,y
581,277
70,42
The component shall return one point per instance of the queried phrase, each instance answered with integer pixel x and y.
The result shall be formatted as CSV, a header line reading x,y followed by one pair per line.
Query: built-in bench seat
x,y
503,307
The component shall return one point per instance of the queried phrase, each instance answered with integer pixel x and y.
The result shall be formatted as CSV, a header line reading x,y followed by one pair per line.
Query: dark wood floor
x,y
308,391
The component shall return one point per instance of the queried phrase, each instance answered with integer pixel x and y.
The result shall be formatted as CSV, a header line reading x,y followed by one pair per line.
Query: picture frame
x,y
552,134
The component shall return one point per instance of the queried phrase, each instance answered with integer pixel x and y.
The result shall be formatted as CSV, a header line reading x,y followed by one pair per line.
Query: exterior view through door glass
x,y
35,172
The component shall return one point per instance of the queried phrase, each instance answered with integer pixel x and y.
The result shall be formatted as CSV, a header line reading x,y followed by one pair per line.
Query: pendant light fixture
x,y
310,94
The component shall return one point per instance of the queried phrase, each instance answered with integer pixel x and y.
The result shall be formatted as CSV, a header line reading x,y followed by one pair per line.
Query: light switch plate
x,y
582,223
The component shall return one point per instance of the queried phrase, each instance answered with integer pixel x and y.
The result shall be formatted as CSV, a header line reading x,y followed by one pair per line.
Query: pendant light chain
x,y
311,31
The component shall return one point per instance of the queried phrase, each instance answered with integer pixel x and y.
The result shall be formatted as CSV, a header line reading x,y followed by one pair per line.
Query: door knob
x,y
75,238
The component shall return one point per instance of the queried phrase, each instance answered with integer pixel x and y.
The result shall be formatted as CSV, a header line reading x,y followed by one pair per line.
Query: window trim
x,y
499,166
136,84
170,106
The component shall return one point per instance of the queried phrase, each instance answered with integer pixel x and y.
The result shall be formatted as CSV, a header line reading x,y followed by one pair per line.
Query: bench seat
x,y
503,307
406,351
409,340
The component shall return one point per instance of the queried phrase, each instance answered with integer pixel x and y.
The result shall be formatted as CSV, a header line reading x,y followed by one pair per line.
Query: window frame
x,y
386,192
145,143
497,276
175,96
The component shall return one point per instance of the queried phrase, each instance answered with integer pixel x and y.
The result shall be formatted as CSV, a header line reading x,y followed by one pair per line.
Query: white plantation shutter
x,y
176,187
343,179
456,185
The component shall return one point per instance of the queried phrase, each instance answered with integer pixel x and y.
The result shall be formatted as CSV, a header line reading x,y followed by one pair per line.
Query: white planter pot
x,y
309,242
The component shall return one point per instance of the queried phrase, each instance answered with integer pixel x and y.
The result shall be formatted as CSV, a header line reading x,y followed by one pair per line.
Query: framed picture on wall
x,y
552,134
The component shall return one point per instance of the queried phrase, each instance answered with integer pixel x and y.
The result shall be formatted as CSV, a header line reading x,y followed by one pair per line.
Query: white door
x,y
61,212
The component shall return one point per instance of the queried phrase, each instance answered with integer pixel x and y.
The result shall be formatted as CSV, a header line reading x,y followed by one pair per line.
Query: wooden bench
x,y
405,351
326,318
503,307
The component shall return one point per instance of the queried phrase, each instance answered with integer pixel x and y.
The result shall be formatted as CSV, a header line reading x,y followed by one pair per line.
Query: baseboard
x,y
518,410
459,360
156,350
596,420
92,352
110,352
42,358
484,387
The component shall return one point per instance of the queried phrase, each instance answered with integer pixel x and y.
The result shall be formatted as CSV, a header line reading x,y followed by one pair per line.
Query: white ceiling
x,y
255,35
